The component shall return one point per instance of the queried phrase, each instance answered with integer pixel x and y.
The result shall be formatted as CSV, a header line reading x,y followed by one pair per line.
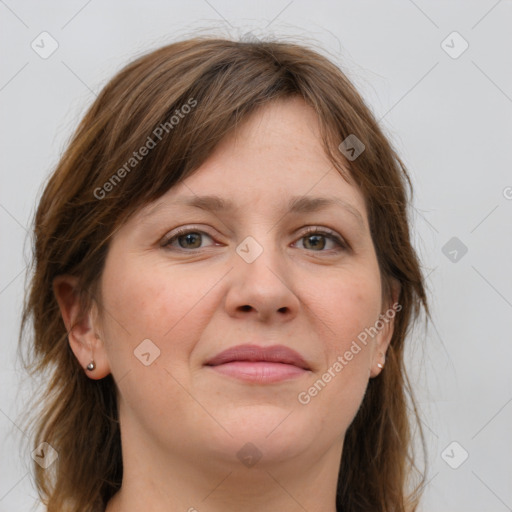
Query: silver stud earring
x,y
380,365
91,366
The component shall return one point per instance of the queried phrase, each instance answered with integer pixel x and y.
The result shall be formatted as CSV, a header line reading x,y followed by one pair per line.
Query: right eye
x,y
185,239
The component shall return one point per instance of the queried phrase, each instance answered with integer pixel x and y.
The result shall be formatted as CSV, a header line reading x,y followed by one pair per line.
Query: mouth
x,y
259,364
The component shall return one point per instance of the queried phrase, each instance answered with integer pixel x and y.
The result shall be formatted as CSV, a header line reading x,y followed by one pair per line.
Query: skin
x,y
182,424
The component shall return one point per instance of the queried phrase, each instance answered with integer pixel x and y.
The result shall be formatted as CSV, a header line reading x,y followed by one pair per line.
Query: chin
x,y
271,429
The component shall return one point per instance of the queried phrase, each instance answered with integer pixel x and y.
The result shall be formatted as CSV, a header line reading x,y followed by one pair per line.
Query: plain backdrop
x,y
437,74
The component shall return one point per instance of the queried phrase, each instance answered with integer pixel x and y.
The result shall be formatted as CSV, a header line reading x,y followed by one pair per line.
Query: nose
x,y
262,289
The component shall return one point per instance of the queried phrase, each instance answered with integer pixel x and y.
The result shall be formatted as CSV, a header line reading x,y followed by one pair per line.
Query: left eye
x,y
318,241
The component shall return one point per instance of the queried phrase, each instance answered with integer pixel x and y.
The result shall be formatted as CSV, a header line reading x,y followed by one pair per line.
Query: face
x,y
195,280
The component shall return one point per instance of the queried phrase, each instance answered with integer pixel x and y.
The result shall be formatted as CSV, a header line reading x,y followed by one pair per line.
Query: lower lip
x,y
261,372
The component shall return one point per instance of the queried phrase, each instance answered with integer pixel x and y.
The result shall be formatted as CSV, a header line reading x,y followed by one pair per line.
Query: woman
x,y
223,282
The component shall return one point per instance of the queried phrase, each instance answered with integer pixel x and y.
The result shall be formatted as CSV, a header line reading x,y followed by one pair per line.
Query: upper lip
x,y
272,354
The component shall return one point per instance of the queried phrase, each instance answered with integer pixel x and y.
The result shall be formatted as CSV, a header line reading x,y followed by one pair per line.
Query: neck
x,y
186,485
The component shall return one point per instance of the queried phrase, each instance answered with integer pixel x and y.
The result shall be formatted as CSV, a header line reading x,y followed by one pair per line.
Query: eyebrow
x,y
297,204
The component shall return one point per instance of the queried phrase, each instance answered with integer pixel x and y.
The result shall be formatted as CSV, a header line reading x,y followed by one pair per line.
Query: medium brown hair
x,y
228,80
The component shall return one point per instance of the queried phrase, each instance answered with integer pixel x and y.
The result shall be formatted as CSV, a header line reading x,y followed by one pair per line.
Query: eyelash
x,y
311,230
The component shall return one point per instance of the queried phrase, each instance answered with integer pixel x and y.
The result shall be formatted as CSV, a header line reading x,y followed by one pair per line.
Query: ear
x,y
82,334
385,334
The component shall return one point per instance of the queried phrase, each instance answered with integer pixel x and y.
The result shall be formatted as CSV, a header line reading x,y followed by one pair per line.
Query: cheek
x,y
342,313
171,308
345,306
157,302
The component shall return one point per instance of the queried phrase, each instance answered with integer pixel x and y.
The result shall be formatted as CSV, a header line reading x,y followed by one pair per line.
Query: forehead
x,y
274,160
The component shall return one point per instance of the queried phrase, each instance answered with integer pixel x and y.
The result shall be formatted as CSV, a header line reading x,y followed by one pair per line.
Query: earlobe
x,y
378,367
385,335
88,348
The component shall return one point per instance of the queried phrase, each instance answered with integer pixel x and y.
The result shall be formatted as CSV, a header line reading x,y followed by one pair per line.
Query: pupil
x,y
190,238
316,239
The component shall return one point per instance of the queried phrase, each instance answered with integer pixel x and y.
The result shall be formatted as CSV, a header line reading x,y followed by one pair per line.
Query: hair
x,y
89,196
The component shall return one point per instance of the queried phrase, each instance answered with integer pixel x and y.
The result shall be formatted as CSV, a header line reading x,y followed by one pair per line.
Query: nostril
x,y
246,308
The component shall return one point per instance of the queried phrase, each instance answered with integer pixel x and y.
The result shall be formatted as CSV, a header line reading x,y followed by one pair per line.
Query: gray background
x,y
450,118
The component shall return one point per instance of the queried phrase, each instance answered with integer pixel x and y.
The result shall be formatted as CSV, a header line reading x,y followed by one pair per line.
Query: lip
x,y
259,364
